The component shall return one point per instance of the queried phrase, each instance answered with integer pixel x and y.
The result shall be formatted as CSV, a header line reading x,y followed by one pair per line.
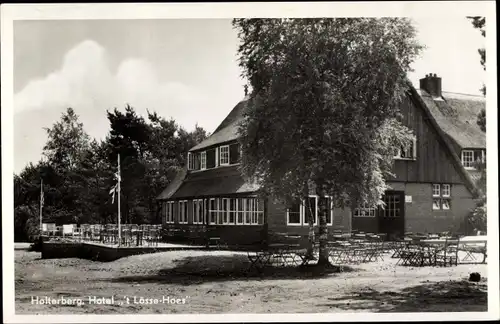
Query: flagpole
x,y
41,206
119,216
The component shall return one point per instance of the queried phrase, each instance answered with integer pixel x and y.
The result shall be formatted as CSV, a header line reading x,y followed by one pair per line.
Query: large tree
x,y
324,113
480,23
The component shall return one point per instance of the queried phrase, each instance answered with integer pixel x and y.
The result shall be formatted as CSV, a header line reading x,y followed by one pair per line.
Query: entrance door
x,y
391,216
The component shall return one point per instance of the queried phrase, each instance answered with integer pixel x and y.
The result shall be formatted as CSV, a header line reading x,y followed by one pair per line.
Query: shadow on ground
x,y
444,296
200,269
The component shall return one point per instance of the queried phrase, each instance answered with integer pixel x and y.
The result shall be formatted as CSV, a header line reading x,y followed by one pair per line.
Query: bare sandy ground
x,y
219,282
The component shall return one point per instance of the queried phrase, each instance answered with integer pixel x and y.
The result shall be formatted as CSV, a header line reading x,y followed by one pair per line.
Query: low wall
x,y
56,250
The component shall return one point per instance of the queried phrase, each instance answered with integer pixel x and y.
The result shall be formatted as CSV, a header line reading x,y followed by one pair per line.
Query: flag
x,y
42,200
112,192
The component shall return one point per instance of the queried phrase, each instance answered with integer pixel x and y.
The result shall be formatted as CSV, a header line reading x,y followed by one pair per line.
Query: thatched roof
x,y
456,114
227,130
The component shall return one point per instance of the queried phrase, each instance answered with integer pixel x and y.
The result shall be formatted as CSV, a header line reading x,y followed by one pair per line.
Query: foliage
x,y
324,112
78,172
66,142
480,23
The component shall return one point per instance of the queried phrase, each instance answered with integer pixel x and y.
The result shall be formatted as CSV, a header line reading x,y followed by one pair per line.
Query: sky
x,y
186,69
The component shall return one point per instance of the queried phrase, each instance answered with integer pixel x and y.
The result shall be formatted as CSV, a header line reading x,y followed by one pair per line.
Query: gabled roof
x,y
213,182
456,114
453,117
227,130
468,179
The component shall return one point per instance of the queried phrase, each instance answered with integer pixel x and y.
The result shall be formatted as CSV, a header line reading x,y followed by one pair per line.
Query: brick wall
x,y
277,220
419,215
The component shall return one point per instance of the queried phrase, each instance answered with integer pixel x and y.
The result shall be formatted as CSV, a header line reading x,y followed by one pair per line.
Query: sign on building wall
x,y
408,199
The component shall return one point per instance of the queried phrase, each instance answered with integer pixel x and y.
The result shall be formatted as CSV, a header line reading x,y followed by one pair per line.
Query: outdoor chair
x,y
449,254
44,229
51,229
68,229
340,252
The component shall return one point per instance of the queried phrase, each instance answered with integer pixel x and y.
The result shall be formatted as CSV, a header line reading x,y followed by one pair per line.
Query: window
x,y
190,161
169,212
211,163
239,211
293,214
468,159
224,211
248,211
183,211
408,152
436,190
212,211
198,211
391,206
298,214
224,155
232,210
311,210
436,204
441,199
240,207
234,153
203,158
446,190
365,211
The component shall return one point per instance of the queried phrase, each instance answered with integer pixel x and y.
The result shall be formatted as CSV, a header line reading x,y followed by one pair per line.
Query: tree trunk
x,y
323,230
310,220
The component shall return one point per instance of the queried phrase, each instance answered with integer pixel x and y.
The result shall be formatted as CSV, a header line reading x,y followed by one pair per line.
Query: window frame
x,y
183,211
448,191
300,216
438,201
242,211
413,147
203,160
225,147
210,211
190,161
471,162
365,207
302,212
198,212
169,215
434,186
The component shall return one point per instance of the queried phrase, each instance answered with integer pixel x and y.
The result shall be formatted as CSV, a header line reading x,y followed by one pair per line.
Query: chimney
x,y
432,84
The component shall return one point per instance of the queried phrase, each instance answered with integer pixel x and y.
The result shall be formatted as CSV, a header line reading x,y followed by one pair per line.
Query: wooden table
x,y
469,244
279,253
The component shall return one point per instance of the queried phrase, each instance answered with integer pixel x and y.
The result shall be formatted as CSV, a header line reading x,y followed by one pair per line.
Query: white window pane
x,y
436,190
436,204
445,204
446,190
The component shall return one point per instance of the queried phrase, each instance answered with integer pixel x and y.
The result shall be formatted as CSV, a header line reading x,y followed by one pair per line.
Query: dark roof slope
x,y
227,130
173,186
214,182
456,114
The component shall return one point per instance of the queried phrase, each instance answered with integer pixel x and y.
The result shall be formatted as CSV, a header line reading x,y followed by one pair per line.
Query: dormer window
x,y
224,155
219,156
471,157
408,152
191,165
203,159
468,159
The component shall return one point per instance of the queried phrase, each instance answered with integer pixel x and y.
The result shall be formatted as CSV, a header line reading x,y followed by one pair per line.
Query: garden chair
x,y
449,254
